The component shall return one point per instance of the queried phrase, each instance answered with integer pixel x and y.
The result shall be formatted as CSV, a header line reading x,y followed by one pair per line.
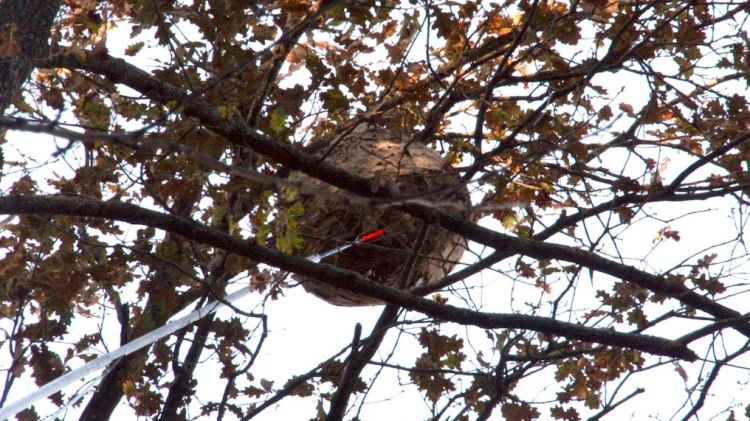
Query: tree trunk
x,y
24,36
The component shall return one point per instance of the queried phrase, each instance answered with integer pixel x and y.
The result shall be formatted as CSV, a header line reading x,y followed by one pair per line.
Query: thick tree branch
x,y
358,361
191,230
360,357
155,313
235,131
137,142
181,388
543,250
237,81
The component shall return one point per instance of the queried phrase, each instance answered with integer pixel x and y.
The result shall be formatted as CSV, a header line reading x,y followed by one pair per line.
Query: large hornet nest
x,y
406,170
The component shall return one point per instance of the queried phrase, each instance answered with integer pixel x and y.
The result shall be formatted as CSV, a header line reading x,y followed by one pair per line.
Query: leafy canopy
x,y
606,145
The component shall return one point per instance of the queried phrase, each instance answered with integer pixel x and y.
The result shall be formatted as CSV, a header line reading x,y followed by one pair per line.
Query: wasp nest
x,y
406,170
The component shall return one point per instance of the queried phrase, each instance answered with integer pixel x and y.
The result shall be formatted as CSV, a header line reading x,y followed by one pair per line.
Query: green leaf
x,y
334,100
278,120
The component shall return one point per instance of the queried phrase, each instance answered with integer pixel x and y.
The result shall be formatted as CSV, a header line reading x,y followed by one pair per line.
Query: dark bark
x,y
28,22
182,388
358,361
291,157
360,357
109,392
191,230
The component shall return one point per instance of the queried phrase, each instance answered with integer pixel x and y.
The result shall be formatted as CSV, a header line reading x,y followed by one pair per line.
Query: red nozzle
x,y
371,236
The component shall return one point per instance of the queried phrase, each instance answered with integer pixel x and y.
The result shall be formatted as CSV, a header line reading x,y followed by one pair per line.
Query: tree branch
x,y
181,388
340,278
237,132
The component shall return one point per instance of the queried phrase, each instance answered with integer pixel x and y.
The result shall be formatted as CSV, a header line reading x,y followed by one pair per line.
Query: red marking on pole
x,y
371,236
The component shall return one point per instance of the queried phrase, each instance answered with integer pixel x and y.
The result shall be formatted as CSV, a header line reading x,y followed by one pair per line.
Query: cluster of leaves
x,y
216,103
440,352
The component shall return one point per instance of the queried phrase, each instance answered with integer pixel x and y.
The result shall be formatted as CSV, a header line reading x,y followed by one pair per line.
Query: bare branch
x,y
75,206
